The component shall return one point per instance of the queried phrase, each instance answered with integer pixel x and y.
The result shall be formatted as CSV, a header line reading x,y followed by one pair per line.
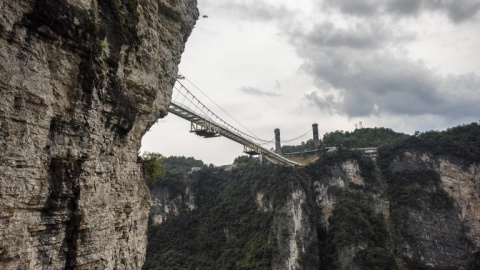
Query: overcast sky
x,y
407,65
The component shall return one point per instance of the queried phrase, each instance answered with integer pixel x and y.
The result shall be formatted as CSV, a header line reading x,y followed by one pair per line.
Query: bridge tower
x,y
278,147
316,141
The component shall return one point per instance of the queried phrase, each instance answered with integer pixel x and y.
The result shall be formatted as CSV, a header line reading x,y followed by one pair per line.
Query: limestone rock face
x,y
461,183
410,210
441,236
164,203
81,81
294,233
432,222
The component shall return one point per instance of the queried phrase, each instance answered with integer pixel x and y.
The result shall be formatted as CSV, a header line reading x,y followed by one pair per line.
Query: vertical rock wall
x,y
81,81
408,210
447,235
421,212
294,235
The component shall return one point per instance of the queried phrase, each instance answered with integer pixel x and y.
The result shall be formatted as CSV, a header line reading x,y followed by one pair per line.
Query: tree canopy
x,y
363,137
152,167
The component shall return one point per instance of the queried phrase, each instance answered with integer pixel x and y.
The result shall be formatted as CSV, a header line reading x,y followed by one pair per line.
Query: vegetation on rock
x,y
461,142
363,137
397,216
152,164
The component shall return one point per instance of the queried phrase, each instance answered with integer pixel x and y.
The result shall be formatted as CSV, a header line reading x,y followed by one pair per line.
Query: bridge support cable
x,y
203,93
200,109
183,91
206,127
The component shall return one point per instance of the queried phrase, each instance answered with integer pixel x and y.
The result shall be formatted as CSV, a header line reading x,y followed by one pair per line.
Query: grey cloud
x,y
457,11
460,11
460,95
406,7
324,103
361,103
378,84
369,35
371,80
360,36
258,92
256,11
354,7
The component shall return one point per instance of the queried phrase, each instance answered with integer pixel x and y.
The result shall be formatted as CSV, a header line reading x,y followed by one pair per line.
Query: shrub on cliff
x,y
152,165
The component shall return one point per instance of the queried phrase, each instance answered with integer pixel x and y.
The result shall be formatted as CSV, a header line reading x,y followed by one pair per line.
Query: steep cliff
x,y
414,206
81,81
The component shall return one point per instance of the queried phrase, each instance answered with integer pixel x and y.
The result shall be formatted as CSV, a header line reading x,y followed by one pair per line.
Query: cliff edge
x,y
81,81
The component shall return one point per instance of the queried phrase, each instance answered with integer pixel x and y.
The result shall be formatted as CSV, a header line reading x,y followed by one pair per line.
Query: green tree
x,y
309,145
152,165
364,137
245,160
180,164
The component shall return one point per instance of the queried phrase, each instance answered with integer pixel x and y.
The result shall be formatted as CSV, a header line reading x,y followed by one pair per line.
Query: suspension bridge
x,y
205,123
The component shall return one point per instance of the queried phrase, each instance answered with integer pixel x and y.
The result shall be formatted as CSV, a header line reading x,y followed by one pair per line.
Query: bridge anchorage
x,y
207,124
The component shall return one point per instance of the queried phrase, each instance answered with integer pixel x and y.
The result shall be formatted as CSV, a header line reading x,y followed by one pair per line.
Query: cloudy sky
x,y
403,64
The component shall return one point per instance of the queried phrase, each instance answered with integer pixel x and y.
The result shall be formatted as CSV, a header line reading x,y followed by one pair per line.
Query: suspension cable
x,y
296,138
209,114
222,122
219,106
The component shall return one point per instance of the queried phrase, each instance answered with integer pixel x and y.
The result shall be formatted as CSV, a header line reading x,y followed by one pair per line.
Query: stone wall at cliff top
x,y
81,81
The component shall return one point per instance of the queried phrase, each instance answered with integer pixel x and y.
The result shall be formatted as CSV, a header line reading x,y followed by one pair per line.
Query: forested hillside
x,y
363,137
403,209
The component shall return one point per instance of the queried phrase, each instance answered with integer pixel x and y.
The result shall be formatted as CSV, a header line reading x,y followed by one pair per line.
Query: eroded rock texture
x,y
81,81
408,209
441,232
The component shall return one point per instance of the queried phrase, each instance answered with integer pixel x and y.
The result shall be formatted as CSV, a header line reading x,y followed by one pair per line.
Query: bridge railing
x,y
184,98
184,104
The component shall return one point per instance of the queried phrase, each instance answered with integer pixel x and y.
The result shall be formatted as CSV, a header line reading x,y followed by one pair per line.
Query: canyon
x,y
406,208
